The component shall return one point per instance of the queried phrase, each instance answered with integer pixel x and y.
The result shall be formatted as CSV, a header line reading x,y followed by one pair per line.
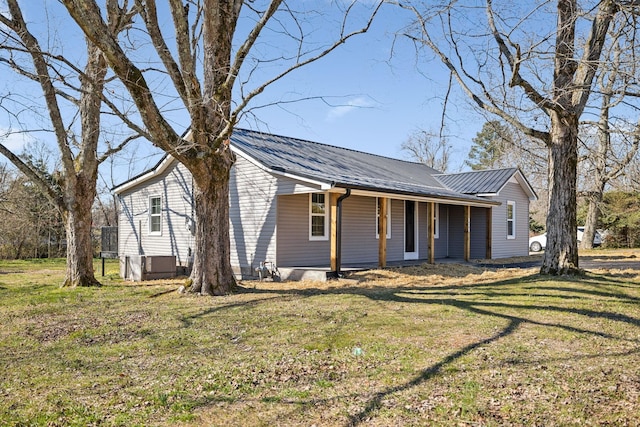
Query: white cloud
x,y
14,141
351,105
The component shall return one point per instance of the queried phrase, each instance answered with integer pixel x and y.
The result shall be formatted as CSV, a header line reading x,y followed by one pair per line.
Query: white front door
x,y
410,229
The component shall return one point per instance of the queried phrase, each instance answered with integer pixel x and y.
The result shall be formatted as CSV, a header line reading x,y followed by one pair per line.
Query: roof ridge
x,y
475,171
332,146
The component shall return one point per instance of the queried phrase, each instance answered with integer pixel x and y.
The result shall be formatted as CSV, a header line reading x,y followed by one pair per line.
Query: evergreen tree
x,y
489,146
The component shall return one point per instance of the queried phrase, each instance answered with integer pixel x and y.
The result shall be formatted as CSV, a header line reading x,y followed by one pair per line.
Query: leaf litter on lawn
x,y
444,344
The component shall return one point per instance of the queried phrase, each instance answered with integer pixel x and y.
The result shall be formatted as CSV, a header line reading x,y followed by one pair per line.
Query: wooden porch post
x,y
333,230
489,232
431,218
382,232
467,233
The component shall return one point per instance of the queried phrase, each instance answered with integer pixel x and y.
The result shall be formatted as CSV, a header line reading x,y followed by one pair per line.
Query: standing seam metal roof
x,y
478,182
343,167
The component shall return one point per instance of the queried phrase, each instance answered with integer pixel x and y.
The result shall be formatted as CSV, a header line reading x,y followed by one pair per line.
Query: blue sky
x,y
373,99
378,98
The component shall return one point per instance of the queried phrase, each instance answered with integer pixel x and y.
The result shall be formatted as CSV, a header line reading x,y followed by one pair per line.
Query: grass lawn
x,y
430,345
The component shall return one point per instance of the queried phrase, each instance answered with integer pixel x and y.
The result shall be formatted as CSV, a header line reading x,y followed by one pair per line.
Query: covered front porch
x,y
414,230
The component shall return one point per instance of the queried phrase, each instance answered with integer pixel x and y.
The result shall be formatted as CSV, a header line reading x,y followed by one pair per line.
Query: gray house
x,y
301,204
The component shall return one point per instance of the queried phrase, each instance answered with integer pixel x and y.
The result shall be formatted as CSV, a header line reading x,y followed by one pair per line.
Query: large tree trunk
x,y
600,176
561,254
212,273
77,217
591,223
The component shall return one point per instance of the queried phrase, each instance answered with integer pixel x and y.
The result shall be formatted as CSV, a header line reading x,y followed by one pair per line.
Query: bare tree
x,y
538,81
31,225
611,143
72,189
216,90
428,148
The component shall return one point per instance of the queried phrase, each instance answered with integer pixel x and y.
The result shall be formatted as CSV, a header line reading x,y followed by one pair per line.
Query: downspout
x,y
339,230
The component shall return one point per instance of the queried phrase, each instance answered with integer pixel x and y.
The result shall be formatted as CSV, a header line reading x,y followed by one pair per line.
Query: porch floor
x,y
322,273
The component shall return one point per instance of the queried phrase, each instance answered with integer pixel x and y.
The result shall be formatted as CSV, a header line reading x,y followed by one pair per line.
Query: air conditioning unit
x,y
141,267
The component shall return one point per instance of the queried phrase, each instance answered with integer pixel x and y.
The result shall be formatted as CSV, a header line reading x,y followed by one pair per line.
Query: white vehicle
x,y
538,243
597,239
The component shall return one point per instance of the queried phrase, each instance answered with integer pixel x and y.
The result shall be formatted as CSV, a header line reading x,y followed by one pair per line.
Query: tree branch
x,y
514,64
343,39
35,177
479,102
149,14
588,65
18,25
87,15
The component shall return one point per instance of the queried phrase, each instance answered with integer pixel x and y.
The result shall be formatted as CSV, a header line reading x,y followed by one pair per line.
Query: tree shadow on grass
x,y
484,308
590,287
609,257
479,299
375,402
188,320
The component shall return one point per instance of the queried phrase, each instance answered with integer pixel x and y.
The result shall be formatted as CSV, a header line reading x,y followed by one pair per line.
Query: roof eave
x,y
160,167
470,200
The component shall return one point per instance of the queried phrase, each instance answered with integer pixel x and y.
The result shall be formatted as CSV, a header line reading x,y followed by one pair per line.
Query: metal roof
x,y
346,168
478,182
342,167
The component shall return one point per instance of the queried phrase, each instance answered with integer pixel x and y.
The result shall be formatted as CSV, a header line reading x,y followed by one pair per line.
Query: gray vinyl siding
x,y
294,249
395,245
478,229
442,242
423,231
456,232
451,241
501,246
174,187
253,213
359,243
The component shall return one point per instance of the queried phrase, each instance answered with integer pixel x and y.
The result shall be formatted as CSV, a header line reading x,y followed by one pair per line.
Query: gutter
x,y
339,231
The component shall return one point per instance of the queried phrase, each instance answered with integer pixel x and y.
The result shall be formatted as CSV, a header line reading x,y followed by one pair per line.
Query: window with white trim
x,y
511,220
387,215
318,214
155,215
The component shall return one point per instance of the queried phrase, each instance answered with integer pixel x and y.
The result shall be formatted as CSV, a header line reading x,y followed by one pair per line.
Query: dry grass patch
x,y
427,345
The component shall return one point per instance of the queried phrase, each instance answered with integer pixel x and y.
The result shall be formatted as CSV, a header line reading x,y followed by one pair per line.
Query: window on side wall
x,y
318,216
387,215
155,215
511,220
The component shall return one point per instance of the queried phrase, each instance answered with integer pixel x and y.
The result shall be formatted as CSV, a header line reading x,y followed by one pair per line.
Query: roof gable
x,y
485,182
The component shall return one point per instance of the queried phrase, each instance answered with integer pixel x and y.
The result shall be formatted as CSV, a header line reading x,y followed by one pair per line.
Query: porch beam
x,y
382,232
333,229
467,233
431,232
489,232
